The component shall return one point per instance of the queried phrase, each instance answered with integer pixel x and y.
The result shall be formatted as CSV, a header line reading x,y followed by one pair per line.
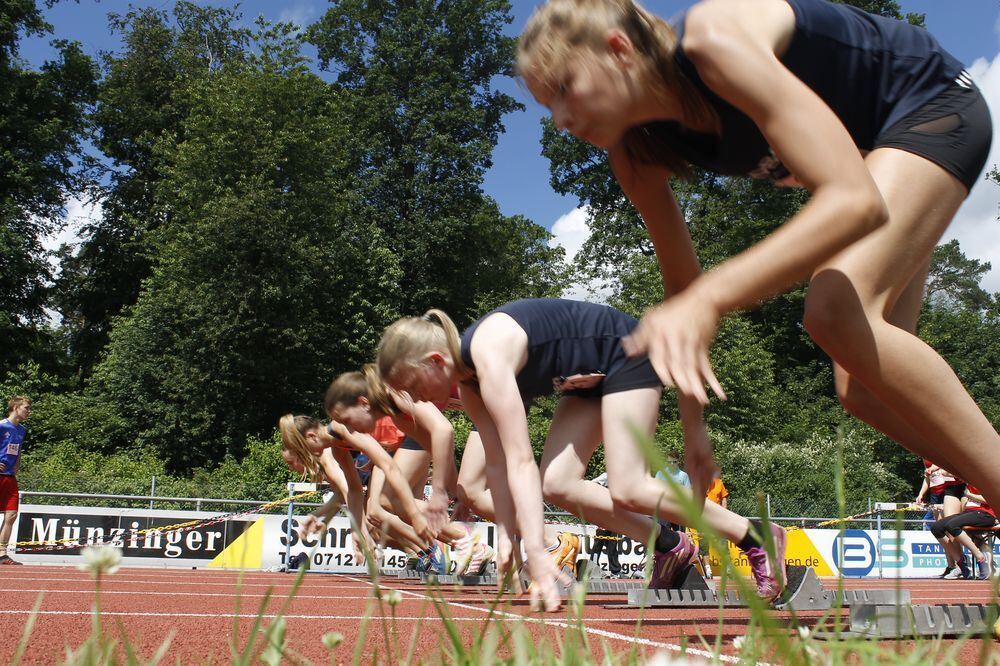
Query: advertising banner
x,y
267,542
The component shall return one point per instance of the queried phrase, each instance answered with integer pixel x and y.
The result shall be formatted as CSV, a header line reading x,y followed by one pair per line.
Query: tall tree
x,y
427,120
42,124
140,106
267,281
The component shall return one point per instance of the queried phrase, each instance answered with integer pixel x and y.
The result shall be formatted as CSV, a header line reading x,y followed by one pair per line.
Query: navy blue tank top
x,y
565,338
872,71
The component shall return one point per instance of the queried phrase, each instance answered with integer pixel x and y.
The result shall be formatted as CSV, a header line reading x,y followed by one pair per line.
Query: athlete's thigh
x,y
922,199
573,437
414,466
628,416
951,506
472,473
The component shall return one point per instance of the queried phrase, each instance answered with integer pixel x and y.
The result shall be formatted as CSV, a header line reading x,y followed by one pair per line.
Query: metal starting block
x,y
804,592
605,586
450,579
408,574
877,597
904,621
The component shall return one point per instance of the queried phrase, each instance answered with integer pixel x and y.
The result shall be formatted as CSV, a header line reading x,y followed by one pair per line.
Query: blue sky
x,y
519,179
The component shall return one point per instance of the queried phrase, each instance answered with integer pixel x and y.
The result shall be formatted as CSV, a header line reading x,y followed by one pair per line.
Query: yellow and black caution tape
x,y
63,544
860,516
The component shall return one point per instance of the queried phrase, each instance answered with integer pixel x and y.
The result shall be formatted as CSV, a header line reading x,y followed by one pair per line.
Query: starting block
x,y
605,586
451,579
905,621
804,592
408,574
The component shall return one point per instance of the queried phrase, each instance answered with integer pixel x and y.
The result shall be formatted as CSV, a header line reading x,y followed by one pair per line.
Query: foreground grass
x,y
503,640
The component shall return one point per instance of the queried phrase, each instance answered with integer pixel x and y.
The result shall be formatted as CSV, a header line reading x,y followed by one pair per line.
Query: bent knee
x,y
555,490
628,499
835,316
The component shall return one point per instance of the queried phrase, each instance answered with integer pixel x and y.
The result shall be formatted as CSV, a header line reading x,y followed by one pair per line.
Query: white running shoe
x,y
465,550
481,558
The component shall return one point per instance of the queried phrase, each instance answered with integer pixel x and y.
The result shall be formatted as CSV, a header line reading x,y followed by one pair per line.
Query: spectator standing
x,y
718,493
11,440
673,472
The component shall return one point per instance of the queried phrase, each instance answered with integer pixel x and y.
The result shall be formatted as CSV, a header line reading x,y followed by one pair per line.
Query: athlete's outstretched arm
x,y
380,458
732,45
433,431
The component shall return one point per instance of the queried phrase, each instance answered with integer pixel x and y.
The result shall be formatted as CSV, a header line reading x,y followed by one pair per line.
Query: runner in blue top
x,y
535,347
871,115
11,440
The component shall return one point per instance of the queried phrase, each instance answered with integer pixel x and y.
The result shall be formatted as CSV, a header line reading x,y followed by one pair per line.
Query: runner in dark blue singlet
x,y
536,347
881,125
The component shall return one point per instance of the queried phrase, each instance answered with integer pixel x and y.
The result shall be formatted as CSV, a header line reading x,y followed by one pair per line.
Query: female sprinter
x,y
871,115
950,533
306,438
358,399
944,493
346,488
529,348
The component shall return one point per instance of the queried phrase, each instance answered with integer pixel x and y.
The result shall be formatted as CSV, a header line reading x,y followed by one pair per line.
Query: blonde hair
x,y
16,402
406,341
348,387
557,30
293,438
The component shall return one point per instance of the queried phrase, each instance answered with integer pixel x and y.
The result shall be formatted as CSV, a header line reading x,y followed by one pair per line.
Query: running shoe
x,y
465,549
947,570
667,565
563,554
431,560
481,557
565,551
984,569
6,560
963,566
954,574
770,578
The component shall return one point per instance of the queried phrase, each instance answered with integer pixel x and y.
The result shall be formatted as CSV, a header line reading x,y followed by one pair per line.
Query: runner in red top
x,y
950,533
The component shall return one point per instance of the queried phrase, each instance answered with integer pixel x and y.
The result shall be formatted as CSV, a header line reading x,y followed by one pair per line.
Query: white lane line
x,y
111,580
145,593
673,647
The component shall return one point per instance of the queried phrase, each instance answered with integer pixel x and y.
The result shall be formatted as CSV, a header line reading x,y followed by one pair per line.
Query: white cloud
x,y
78,213
976,226
299,15
570,232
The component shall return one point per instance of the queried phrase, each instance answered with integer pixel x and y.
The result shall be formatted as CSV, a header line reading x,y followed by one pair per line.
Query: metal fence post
x,y
152,491
768,506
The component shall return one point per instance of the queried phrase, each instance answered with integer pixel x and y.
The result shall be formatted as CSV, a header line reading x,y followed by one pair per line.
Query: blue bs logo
x,y
854,553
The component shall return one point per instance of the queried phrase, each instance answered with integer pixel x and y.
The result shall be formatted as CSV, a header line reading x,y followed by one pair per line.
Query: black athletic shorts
x,y
955,490
411,444
953,130
633,373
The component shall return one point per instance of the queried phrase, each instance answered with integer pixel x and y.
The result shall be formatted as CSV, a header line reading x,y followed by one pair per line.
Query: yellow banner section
x,y
245,552
799,551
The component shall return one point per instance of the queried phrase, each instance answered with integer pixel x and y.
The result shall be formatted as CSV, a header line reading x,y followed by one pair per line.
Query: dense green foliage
x,y
263,217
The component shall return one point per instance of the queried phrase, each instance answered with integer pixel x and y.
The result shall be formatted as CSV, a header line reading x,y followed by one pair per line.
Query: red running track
x,y
204,609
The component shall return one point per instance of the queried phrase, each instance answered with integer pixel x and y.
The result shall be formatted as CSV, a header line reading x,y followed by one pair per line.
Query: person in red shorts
x,y
11,439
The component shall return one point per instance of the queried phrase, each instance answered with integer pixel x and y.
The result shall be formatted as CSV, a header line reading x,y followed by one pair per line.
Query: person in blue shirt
x,y
674,472
11,440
